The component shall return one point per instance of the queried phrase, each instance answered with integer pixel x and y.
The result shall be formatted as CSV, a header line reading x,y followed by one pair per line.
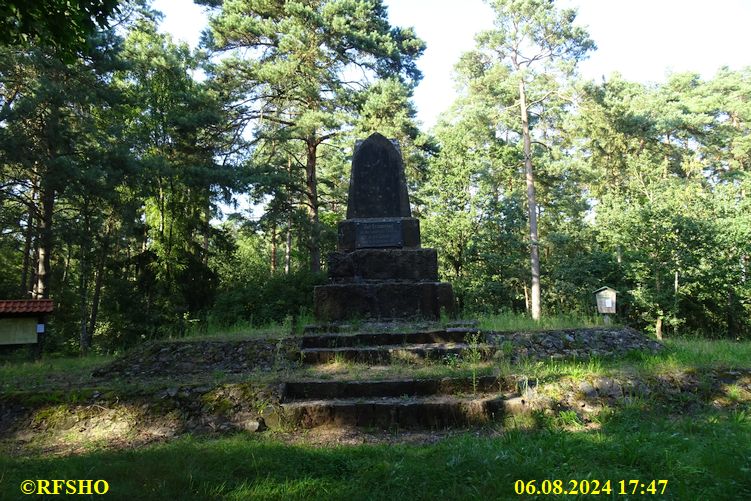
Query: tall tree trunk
x,y
273,248
66,265
288,248
29,238
83,284
675,302
526,298
658,328
312,194
161,208
45,241
206,232
534,256
83,289
733,325
98,281
170,230
288,242
34,262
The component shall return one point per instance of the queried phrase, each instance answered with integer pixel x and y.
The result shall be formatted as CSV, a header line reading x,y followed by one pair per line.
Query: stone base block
x,y
383,300
384,264
378,233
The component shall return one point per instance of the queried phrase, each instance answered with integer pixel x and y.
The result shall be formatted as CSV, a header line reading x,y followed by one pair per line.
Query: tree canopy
x,y
63,24
150,189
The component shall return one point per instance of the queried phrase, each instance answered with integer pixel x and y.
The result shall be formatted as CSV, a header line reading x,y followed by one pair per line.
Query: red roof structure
x,y
22,306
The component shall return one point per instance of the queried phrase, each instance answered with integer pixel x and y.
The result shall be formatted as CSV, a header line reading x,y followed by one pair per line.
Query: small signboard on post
x,y
606,297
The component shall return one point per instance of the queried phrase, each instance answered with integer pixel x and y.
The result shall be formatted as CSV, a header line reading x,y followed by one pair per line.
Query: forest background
x,y
121,152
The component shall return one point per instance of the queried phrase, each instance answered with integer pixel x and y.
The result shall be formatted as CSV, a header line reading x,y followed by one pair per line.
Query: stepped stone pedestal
x,y
401,403
380,270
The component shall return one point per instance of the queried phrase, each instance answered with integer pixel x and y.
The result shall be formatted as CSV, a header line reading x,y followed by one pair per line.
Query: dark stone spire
x,y
377,186
380,270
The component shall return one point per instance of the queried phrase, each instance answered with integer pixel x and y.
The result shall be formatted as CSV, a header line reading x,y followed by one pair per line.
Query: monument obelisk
x,y
379,269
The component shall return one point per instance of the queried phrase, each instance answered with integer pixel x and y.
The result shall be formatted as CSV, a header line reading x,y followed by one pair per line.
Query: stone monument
x,y
379,269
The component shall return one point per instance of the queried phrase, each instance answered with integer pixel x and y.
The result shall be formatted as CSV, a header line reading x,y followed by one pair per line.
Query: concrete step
x,y
330,340
385,354
321,390
435,411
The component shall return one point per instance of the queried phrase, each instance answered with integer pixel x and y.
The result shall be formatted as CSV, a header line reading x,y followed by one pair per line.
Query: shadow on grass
x,y
705,456
704,453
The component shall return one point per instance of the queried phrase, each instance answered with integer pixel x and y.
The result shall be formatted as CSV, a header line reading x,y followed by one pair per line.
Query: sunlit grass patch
x,y
681,354
710,352
544,370
512,321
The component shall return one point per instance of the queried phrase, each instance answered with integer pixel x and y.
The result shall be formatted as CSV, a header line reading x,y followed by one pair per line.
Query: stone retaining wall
x,y
569,343
268,355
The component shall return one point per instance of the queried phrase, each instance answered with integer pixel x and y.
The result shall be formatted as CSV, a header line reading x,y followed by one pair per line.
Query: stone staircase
x,y
396,403
384,347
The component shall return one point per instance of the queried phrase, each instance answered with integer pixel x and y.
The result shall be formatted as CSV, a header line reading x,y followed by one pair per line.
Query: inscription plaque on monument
x,y
370,234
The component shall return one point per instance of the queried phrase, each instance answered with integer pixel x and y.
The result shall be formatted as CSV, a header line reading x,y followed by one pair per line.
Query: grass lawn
x,y
705,456
15,375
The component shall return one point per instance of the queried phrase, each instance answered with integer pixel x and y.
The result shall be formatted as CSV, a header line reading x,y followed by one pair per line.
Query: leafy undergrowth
x,y
705,456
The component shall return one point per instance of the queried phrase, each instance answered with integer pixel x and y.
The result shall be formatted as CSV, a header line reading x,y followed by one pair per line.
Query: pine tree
x,y
296,69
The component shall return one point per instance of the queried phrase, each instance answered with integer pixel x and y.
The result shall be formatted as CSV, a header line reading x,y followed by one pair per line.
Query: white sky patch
x,y
641,39
183,19
448,28
644,40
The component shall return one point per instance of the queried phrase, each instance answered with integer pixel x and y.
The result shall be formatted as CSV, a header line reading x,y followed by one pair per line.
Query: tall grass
x,y
238,330
512,321
215,330
682,353
38,371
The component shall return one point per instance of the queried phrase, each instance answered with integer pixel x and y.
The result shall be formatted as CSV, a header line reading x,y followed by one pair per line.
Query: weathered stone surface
x,y
349,238
157,413
383,300
386,338
254,425
388,413
383,354
572,343
380,271
390,327
608,387
325,389
377,184
192,357
587,390
384,264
